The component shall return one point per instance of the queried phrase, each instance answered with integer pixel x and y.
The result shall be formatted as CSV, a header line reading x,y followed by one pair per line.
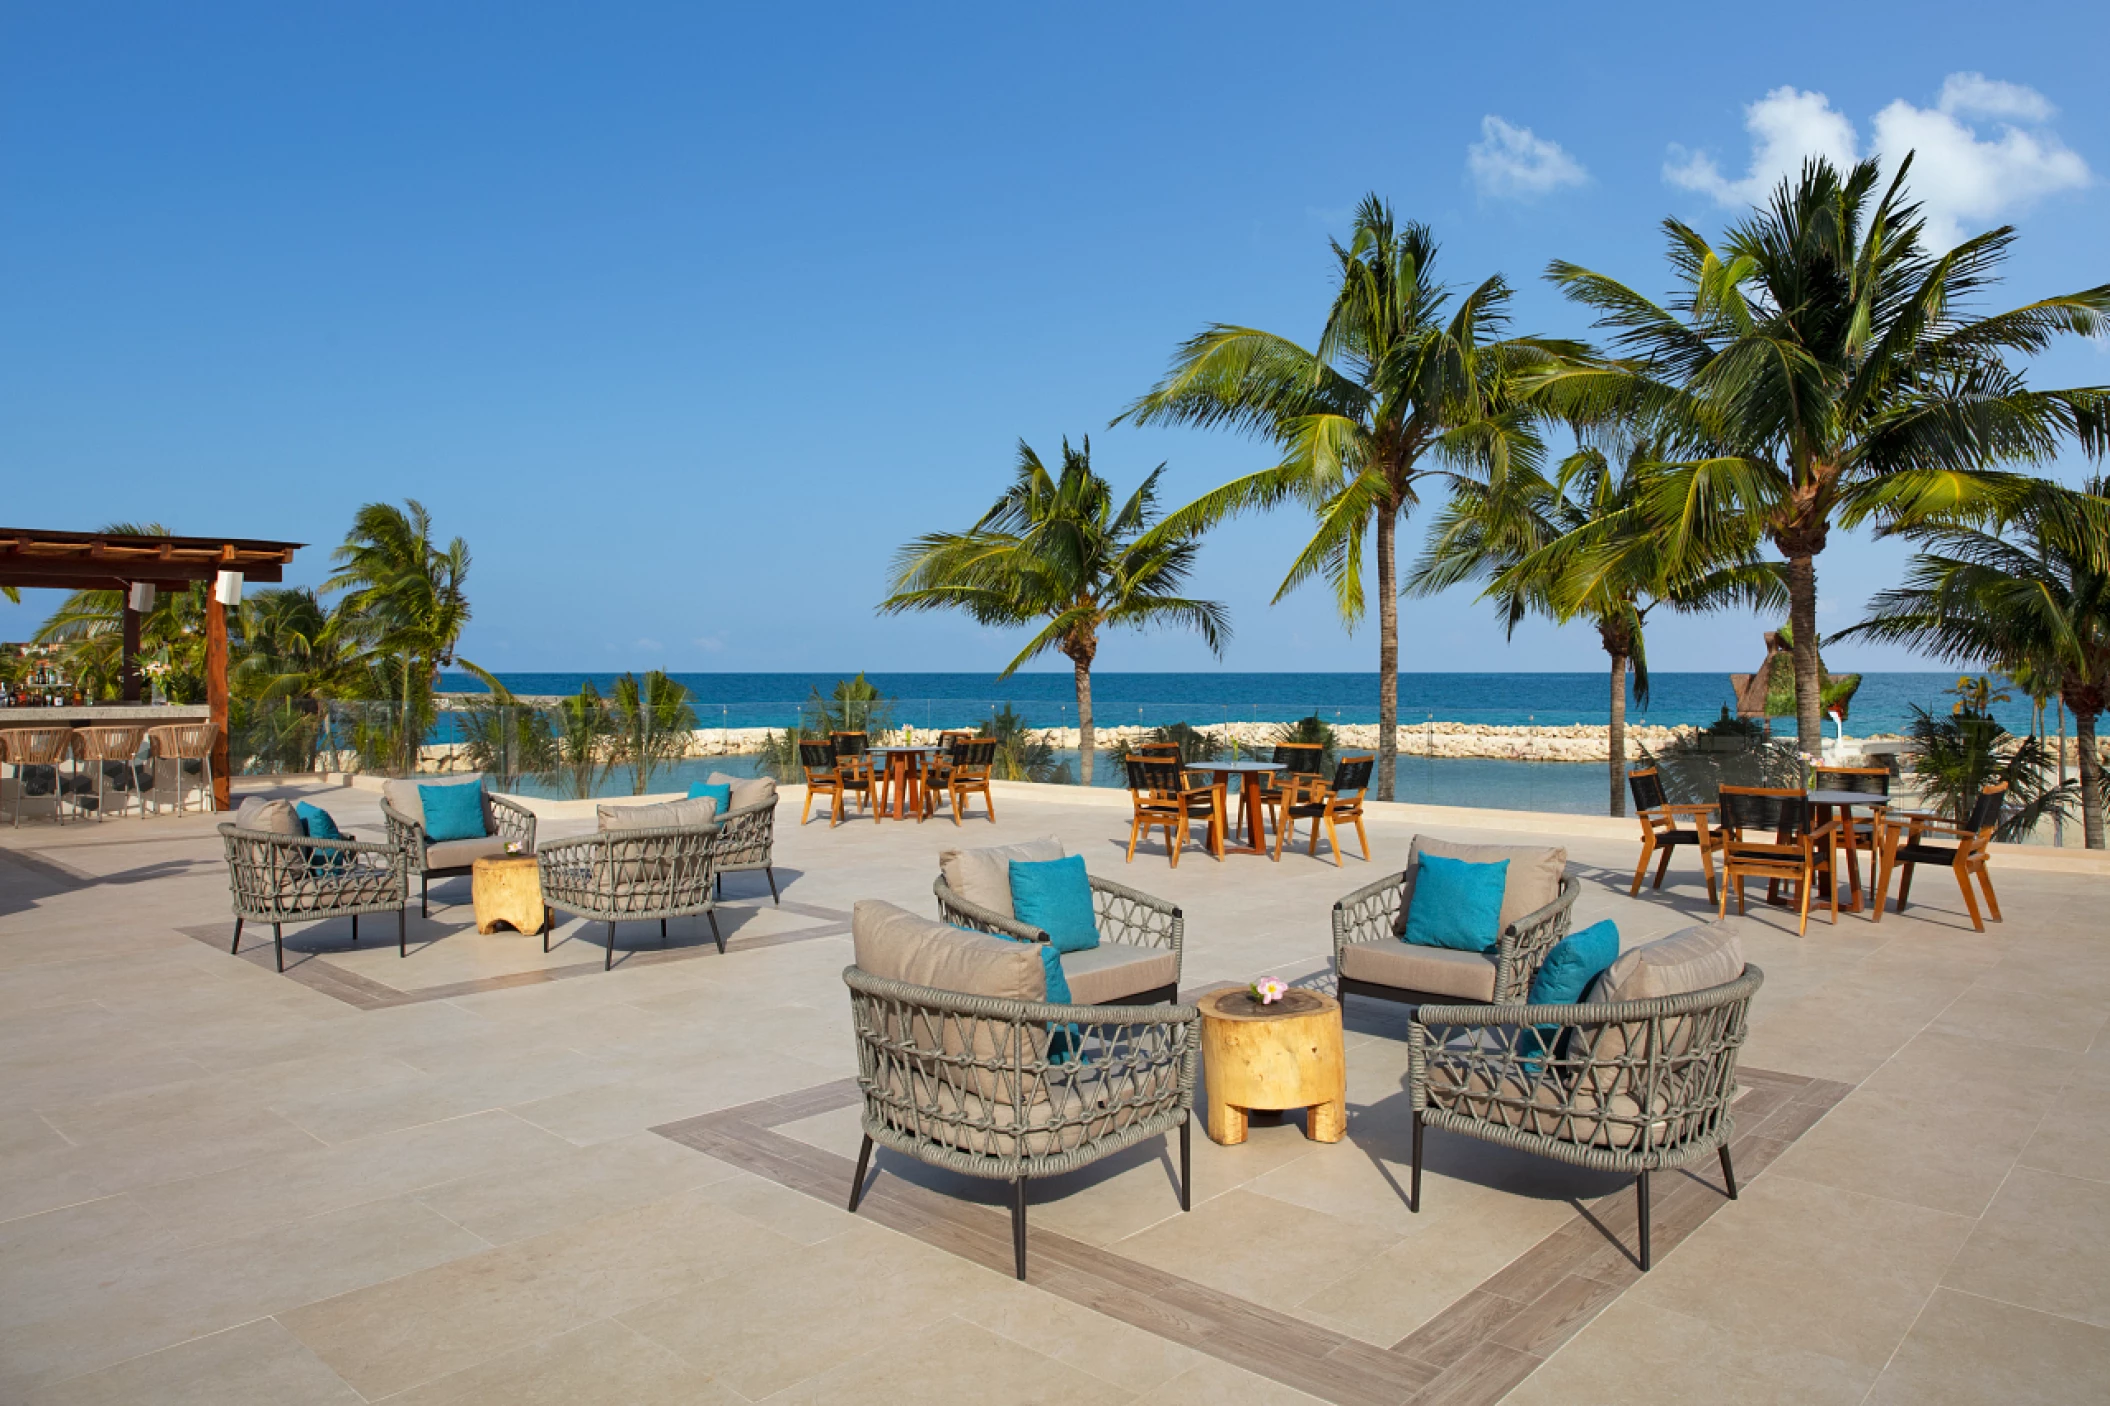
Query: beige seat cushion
x,y
271,817
1440,971
983,876
401,793
892,942
1532,881
747,790
460,854
1113,971
1684,962
699,811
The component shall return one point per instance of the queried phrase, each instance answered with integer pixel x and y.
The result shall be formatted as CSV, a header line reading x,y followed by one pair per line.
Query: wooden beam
x,y
129,660
216,697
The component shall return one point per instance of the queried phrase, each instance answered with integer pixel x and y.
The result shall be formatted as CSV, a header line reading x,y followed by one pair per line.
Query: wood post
x,y
128,667
216,695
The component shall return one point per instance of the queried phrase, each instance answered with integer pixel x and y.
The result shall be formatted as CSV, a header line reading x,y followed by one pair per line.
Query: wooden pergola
x,y
116,561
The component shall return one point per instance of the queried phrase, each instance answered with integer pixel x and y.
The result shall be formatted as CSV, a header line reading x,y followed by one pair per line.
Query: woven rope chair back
x,y
1159,749
849,744
1985,811
189,741
974,753
1352,775
817,756
1153,773
648,871
107,744
1758,811
1303,758
1647,787
1861,780
36,746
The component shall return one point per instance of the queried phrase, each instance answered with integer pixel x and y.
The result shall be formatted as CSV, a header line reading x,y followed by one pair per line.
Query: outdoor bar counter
x,y
96,714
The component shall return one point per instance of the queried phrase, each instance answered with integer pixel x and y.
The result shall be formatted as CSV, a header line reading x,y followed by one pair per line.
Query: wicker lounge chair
x,y
1661,829
991,1081
1904,840
1371,957
277,875
404,813
632,876
1633,1086
747,831
1140,937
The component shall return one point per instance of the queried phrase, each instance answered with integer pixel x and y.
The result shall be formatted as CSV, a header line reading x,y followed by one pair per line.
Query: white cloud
x,y
1972,166
1510,161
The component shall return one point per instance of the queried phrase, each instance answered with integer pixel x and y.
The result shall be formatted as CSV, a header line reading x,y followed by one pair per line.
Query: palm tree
x,y
88,628
1057,551
1822,367
1959,754
2026,588
653,725
1580,545
411,591
1403,387
579,751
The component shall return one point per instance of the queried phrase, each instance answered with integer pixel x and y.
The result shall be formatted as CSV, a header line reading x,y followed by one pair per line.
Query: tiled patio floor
x,y
437,1178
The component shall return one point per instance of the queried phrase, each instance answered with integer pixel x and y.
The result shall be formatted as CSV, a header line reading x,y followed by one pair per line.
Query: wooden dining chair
x,y
1301,763
1905,839
1790,855
824,777
1858,832
1326,802
1158,788
853,764
967,774
1661,828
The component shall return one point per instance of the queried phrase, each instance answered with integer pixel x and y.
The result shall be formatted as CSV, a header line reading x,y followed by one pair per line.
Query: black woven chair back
x,y
1985,811
1873,781
1352,775
816,756
1756,816
974,752
849,744
1154,774
1302,758
1647,787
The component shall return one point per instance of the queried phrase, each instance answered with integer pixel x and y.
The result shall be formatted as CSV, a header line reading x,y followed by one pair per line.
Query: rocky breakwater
x,y
1575,742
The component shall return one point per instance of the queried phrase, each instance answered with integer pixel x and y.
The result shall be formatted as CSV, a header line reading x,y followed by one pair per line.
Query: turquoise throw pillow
x,y
1055,895
1575,961
1063,1039
318,824
1457,904
722,793
453,812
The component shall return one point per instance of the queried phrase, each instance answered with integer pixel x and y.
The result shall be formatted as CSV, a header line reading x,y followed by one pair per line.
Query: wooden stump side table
x,y
507,890
1281,1056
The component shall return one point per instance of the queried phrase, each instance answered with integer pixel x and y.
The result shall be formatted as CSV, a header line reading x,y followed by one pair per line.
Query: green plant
x,y
1022,754
651,725
1313,731
1976,694
504,739
1404,387
1731,751
1194,745
1824,366
1056,551
1958,755
580,729
853,705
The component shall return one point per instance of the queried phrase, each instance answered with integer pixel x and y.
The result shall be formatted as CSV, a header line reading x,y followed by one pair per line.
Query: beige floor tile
x,y
1210,1382
519,1198
2044,1243
44,1180
2074,1137
603,1361
620,1109
810,1309
1936,1152
257,1364
396,1336
1651,1356
1256,1247
1989,1013
954,1361
1113,1351
361,1113
1965,1350
1795,1265
1936,1064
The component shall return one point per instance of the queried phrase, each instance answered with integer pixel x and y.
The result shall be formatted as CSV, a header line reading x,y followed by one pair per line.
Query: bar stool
x,y
180,743
105,747
26,747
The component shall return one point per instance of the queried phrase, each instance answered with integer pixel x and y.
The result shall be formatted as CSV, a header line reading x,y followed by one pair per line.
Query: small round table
x,y
507,890
1252,777
1274,1057
1824,803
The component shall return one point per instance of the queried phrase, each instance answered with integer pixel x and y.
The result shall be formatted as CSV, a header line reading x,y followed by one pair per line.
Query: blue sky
x,y
686,318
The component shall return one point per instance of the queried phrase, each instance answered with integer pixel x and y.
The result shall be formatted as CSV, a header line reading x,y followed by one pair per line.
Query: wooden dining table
x,y
1252,778
1824,803
904,777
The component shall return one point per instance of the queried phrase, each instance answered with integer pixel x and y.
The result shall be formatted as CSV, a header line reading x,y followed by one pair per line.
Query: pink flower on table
x,y
1268,990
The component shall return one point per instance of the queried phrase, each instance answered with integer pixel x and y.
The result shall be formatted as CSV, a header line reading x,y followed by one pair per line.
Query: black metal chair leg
x,y
1641,1190
278,943
402,935
771,875
1186,1164
424,897
718,885
547,921
1728,1172
857,1183
662,932
355,929
610,960
237,938
715,933
1414,1182
1018,1224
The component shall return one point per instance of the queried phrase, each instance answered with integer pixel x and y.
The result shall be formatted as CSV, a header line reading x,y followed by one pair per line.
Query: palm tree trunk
x,y
2091,780
1615,735
1085,739
1387,654
1802,621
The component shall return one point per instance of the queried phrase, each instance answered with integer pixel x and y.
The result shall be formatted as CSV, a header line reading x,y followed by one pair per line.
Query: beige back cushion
x,y
747,790
892,942
1533,880
401,793
699,811
983,876
1688,961
272,817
